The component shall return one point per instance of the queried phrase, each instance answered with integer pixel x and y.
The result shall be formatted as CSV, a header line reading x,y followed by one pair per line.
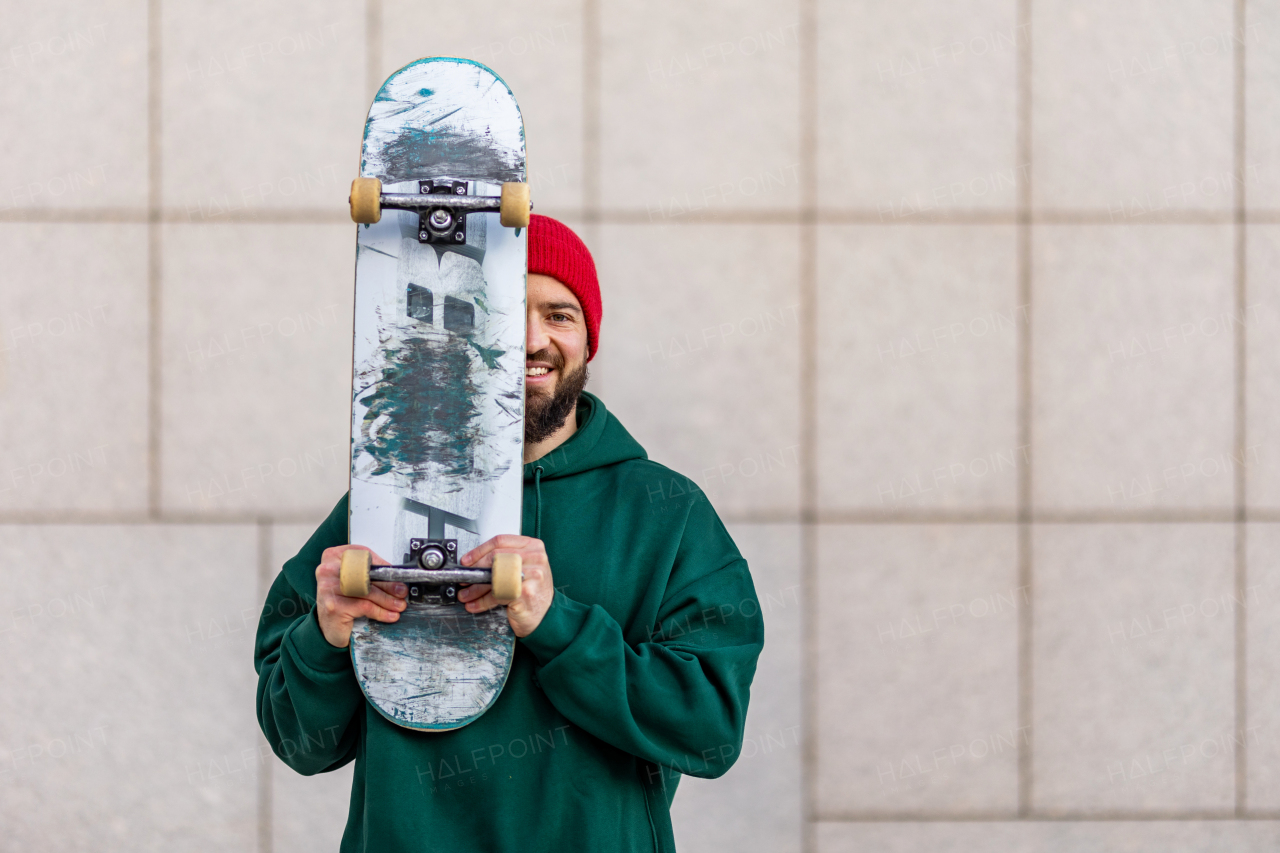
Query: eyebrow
x,y
560,306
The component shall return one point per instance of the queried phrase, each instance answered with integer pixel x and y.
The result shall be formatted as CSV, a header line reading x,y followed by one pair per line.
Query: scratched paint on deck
x,y
438,383
451,132
438,656
425,424
410,430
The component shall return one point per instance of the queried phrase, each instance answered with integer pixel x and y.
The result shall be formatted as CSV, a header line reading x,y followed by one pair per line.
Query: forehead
x,y
543,291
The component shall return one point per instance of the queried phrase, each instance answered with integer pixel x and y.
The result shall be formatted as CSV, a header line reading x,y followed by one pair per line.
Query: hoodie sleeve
x,y
678,697
308,698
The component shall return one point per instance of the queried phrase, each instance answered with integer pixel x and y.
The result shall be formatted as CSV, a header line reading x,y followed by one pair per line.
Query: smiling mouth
x,y
537,371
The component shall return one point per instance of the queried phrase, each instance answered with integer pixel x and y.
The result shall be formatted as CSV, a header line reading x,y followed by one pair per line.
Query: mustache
x,y
547,356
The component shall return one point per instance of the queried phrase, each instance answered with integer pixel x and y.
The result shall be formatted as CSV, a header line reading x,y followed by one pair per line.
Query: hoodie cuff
x,y
562,622
313,650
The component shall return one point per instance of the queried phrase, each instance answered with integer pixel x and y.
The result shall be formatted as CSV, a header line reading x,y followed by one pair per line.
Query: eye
x,y
561,318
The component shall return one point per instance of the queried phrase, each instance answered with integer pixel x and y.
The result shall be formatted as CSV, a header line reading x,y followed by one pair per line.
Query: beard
x,y
545,413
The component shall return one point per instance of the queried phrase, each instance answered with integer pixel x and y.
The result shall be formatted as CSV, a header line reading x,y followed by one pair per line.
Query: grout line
x,y
174,216
85,215
1024,391
1241,424
589,212
865,216
623,216
373,46
591,109
155,196
816,518
1031,516
266,803
1062,817
53,518
1051,216
336,215
265,575
808,392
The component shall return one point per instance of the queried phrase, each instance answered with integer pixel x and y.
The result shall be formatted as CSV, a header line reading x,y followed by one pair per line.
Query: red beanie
x,y
556,251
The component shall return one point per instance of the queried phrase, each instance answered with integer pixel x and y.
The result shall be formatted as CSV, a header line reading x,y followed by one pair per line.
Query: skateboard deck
x,y
437,403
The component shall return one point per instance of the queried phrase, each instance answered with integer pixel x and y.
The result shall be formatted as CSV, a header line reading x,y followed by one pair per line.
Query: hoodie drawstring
x,y
537,502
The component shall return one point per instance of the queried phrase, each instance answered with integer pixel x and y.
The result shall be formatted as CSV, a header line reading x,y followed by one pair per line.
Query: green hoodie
x,y
640,671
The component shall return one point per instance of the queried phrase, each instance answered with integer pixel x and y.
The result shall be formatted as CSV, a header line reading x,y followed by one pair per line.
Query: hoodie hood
x,y
599,441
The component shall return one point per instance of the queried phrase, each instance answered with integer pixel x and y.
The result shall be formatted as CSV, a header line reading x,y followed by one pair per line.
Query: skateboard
x,y
437,391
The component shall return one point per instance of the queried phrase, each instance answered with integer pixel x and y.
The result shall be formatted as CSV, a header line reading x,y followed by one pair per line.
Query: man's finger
x,y
483,603
384,599
505,541
475,590
373,611
478,553
399,590
334,554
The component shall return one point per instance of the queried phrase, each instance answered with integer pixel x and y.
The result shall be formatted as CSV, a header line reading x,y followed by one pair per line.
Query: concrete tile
x,y
700,332
699,112
756,805
1132,107
1132,357
75,105
917,337
1147,836
917,106
917,670
286,541
257,375
309,812
1261,596
73,367
1134,688
1261,174
264,106
130,723
536,49
1261,320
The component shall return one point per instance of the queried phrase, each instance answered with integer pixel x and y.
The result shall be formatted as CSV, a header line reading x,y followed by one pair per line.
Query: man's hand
x,y
336,612
536,592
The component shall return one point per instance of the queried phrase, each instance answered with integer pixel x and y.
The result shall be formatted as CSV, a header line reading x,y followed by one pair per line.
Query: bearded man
x,y
638,633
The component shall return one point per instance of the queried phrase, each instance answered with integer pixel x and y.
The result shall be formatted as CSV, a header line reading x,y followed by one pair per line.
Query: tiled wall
x,y
962,312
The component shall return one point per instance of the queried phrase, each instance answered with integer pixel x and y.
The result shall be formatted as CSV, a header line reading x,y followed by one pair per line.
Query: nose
x,y
535,336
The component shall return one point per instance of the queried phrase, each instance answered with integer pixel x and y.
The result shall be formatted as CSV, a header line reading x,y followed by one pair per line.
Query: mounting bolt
x,y
432,558
458,237
461,190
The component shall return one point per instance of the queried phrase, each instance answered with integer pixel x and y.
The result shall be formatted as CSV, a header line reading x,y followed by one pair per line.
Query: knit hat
x,y
556,251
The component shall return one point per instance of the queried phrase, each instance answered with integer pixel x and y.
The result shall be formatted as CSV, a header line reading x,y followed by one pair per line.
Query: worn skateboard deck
x,y
437,413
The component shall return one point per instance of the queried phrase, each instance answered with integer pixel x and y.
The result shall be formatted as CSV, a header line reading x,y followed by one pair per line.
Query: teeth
x,y
535,371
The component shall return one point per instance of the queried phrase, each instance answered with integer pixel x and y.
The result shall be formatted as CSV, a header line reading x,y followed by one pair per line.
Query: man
x,y
638,632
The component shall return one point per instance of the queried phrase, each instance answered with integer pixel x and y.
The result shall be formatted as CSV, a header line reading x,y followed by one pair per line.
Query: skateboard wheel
x,y
506,576
515,205
353,577
366,200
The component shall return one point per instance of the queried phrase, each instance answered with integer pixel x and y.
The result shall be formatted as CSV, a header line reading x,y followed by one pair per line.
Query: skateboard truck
x,y
434,575
442,205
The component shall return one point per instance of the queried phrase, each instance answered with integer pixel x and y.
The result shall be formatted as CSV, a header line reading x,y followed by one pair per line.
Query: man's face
x,y
555,368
